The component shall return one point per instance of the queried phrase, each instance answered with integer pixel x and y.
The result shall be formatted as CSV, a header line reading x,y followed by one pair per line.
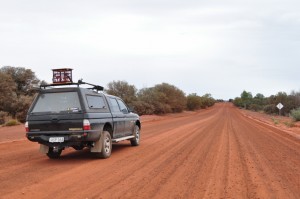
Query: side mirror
x,y
125,111
131,109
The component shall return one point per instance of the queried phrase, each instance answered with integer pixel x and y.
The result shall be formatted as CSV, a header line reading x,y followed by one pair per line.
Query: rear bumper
x,y
70,138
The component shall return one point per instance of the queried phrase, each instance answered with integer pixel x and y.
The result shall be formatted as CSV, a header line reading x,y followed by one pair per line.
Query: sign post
x,y
279,106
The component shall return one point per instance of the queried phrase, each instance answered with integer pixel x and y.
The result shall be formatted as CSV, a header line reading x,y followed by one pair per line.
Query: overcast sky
x,y
220,47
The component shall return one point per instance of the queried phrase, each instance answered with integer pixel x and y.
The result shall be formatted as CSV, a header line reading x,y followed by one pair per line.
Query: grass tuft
x,y
289,124
11,123
276,121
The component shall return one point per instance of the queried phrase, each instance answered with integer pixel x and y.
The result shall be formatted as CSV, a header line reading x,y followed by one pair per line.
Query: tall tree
x,y
123,90
24,78
246,98
7,92
16,91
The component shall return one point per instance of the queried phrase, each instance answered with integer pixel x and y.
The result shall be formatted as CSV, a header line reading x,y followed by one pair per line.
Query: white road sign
x,y
279,106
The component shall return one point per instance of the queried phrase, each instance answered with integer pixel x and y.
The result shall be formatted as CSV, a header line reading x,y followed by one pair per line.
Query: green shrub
x,y
255,107
296,114
142,108
12,123
21,107
270,109
193,102
161,99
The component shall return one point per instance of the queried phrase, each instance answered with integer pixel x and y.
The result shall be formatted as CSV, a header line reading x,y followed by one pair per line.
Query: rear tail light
x,y
86,125
26,127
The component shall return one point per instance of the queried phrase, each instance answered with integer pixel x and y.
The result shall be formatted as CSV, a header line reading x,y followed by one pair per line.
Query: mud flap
x,y
98,145
44,149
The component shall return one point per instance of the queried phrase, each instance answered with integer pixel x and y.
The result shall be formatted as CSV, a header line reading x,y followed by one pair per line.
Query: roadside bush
x,y
207,101
162,98
238,102
296,114
162,108
193,102
21,116
270,109
255,107
143,108
171,99
3,115
12,123
21,106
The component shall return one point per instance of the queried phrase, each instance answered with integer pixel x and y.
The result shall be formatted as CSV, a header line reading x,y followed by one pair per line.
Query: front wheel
x,y
137,135
54,154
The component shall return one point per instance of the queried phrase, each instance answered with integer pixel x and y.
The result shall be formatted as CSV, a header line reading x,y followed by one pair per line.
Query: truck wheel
x,y
106,146
136,140
54,154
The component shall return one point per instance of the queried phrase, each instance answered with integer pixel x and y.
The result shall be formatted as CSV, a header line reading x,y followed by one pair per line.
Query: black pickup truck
x,y
78,117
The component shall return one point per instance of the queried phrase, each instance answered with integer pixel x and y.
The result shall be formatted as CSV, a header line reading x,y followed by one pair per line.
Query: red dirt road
x,y
214,153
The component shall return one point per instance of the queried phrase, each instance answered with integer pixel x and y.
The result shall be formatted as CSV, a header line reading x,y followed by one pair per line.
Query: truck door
x,y
118,118
129,121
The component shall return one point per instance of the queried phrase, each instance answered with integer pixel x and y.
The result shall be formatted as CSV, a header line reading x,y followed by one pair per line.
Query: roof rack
x,y
63,77
80,82
95,87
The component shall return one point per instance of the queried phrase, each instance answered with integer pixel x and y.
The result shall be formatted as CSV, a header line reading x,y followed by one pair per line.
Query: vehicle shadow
x,y
85,154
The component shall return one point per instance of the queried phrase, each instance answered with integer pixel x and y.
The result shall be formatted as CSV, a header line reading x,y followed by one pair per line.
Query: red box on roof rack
x,y
62,76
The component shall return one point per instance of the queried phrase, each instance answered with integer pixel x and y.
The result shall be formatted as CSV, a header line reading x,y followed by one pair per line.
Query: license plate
x,y
57,139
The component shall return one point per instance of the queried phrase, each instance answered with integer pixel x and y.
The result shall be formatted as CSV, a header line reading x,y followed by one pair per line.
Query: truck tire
x,y
54,154
106,146
137,135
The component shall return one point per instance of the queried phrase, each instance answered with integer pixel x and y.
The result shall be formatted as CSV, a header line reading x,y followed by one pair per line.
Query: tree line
x,y
17,92
18,84
160,99
290,102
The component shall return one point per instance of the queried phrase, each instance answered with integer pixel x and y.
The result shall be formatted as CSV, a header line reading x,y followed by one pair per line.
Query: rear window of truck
x,y
57,102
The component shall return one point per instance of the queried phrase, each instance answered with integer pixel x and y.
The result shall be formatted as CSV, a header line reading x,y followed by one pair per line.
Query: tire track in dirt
x,y
260,153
